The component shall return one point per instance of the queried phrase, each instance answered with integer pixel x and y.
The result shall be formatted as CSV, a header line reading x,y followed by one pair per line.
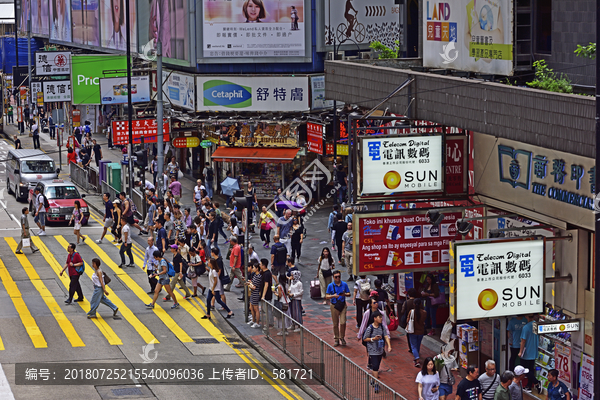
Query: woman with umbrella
x,y
228,187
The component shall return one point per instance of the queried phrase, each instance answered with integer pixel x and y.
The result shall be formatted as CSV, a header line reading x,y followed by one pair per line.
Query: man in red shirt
x,y
235,263
74,261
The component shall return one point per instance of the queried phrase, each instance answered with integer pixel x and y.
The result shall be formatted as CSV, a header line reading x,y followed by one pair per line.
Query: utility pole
x,y
596,336
130,165
159,121
29,53
15,85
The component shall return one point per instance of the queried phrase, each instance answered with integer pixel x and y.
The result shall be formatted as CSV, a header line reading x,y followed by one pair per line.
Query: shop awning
x,y
255,154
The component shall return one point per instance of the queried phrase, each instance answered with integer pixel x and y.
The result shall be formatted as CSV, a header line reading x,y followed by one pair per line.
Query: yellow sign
x,y
40,98
342,150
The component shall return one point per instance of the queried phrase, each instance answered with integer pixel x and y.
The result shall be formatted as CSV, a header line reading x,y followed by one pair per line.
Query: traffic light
x,y
141,158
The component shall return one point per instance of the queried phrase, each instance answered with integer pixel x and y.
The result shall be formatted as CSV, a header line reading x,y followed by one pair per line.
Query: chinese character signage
x,y
499,278
403,241
179,89
586,381
140,127
558,184
558,327
253,93
241,28
469,36
114,90
57,91
251,134
53,63
314,137
402,164
317,87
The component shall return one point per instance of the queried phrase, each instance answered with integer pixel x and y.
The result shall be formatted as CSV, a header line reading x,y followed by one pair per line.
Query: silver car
x,y
25,168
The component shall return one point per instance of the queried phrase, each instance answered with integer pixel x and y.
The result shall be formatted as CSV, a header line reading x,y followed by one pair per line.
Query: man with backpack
x,y
40,205
76,268
347,244
209,177
332,220
362,289
129,209
278,256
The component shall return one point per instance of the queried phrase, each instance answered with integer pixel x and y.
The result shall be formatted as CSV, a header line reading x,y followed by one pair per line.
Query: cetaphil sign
x,y
401,164
250,93
496,278
86,72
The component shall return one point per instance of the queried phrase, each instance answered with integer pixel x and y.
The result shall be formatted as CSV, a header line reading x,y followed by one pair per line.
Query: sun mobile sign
x,y
496,278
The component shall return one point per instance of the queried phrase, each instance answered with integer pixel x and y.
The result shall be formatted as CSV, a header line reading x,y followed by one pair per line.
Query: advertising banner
x,y
498,278
60,20
23,16
400,164
562,362
36,87
167,20
114,90
253,93
254,134
403,241
53,63
57,91
362,21
259,28
86,74
86,22
314,137
455,178
140,127
586,380
39,17
179,89
317,90
113,32
469,36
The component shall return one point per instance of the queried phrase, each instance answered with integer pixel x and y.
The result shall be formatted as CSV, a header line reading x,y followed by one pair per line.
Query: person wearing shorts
x,y
163,280
77,218
375,338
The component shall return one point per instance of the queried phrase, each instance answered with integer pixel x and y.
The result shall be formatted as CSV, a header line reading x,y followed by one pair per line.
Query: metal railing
x,y
86,178
138,198
330,367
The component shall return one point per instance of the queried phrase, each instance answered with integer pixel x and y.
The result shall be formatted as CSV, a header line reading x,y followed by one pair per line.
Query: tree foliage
x,y
547,79
384,51
588,51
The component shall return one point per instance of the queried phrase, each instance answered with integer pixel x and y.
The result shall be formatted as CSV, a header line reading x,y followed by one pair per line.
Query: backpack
x,y
365,290
281,254
81,269
184,265
210,174
170,269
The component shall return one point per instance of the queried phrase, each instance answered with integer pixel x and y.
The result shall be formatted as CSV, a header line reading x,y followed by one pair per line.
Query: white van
x,y
25,168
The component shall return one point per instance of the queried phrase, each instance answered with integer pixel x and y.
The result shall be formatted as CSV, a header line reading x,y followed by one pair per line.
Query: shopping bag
x,y
446,332
26,242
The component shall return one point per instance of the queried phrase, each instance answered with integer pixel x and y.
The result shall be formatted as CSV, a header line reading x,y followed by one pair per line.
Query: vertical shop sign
x,y
314,135
456,165
586,381
562,357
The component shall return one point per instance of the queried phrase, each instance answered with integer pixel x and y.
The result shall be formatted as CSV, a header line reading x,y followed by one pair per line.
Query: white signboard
x,y
586,381
242,28
53,63
558,327
114,90
36,87
469,36
252,93
179,89
57,91
317,89
362,21
500,278
401,164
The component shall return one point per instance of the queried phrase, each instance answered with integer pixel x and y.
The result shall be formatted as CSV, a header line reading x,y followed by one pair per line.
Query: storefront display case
x,y
266,178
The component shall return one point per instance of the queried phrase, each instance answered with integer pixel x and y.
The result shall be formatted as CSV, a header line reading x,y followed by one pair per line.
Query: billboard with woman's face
x,y
60,20
167,21
253,28
86,22
39,17
114,32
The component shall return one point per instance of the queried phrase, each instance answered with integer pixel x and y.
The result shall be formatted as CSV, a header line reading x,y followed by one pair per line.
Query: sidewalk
x,y
397,369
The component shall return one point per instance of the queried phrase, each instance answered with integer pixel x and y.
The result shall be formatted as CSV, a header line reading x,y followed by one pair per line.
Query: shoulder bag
x,y
491,384
410,324
326,272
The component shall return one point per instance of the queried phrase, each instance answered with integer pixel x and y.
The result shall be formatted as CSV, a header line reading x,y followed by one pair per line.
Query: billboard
x,y
86,72
253,28
113,32
179,89
401,164
24,15
314,137
39,17
362,21
114,90
167,20
86,22
57,91
469,36
497,278
53,63
401,241
140,127
252,93
60,20
317,90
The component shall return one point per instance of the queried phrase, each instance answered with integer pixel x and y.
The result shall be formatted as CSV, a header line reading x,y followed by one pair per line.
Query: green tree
x,y
546,79
588,51
384,51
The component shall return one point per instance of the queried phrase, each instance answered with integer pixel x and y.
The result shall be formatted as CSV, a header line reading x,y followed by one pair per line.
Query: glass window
x,y
62,192
543,28
37,167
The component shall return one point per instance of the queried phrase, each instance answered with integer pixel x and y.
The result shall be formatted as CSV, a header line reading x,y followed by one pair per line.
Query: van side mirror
x,y
82,196
57,171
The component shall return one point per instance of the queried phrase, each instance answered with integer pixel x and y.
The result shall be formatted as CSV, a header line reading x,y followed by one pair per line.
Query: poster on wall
x,y
113,16
474,36
115,90
395,165
168,21
586,380
180,89
253,93
253,28
60,20
498,278
562,362
403,241
39,17
362,22
86,22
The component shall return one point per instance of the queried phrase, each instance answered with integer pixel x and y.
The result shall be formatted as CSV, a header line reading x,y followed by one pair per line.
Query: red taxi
x,y
61,197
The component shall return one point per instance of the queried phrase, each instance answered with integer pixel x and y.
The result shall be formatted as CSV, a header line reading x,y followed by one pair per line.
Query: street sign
x,y
141,127
186,141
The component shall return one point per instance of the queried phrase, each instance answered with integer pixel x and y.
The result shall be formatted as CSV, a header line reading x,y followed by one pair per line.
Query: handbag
x,y
106,278
26,242
394,323
440,299
225,279
191,273
278,303
327,273
339,305
446,332
410,325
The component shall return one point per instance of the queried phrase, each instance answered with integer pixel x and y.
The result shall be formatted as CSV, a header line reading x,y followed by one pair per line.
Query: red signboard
x,y
456,165
314,136
141,127
403,241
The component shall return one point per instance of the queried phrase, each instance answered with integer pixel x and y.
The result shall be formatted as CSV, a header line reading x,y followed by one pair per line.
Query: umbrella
x,y
229,185
289,204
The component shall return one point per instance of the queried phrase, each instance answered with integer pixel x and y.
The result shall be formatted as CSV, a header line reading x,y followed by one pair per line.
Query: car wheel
x,y
8,187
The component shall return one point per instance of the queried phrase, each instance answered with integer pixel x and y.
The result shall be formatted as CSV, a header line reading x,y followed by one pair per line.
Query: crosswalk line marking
x,y
53,306
33,330
102,325
133,320
141,294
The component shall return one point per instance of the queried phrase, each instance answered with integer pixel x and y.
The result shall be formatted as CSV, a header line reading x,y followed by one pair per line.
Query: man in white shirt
x,y
147,185
127,244
199,190
150,264
252,255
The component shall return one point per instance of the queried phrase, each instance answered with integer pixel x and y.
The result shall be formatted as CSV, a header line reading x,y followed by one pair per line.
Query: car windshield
x,y
37,167
62,192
